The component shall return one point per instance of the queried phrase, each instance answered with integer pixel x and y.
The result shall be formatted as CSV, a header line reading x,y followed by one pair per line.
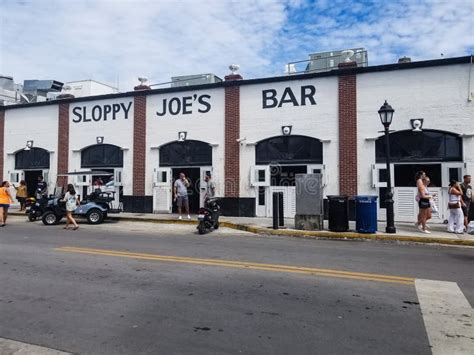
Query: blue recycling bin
x,y
366,214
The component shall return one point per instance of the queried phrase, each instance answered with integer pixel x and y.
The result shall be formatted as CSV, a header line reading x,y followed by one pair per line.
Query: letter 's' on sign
x,y
272,99
96,113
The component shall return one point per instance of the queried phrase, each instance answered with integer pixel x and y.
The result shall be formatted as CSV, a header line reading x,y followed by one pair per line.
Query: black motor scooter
x,y
35,207
208,216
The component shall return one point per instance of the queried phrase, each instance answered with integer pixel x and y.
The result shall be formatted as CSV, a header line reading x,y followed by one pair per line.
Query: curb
x,y
302,233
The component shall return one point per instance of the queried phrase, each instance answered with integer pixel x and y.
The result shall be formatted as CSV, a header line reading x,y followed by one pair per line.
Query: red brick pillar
x,y
347,130
63,143
139,141
232,132
2,141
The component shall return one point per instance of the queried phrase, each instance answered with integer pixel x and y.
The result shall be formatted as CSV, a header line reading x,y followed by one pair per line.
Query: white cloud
x,y
105,39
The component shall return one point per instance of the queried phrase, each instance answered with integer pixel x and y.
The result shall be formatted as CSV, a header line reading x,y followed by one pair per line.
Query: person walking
x,y
433,208
424,204
5,202
21,194
456,218
72,201
210,187
181,194
467,197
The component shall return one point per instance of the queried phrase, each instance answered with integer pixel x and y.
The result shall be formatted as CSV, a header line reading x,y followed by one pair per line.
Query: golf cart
x,y
95,207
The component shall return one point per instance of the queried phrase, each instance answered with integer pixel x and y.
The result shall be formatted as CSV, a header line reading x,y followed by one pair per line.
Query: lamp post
x,y
386,115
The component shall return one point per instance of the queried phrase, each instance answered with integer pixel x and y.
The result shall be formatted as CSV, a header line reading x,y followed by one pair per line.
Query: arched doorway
x,y
194,159
104,158
438,153
29,165
278,159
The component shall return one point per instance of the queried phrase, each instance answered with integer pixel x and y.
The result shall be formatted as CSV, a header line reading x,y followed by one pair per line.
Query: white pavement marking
x,y
12,347
448,317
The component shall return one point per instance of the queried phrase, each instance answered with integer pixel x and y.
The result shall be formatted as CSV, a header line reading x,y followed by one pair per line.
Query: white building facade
x,y
254,136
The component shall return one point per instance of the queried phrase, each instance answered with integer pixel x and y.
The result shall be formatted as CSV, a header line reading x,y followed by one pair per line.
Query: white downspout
x,y
469,82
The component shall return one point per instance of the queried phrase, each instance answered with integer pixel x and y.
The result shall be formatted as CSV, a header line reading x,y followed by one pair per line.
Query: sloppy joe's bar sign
x,y
105,112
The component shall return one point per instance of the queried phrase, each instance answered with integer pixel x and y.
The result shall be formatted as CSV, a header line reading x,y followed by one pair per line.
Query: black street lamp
x,y
386,115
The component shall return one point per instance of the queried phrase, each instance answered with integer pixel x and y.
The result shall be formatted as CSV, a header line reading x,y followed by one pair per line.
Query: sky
x,y
115,42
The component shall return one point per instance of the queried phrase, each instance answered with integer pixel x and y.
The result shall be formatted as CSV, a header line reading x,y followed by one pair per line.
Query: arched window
x,y
102,156
187,153
428,145
35,158
289,150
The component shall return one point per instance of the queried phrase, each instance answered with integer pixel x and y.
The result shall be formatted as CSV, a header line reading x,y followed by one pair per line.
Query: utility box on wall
x,y
309,202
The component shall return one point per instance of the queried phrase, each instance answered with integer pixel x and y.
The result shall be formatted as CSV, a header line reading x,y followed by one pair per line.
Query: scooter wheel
x,y
216,226
201,229
32,217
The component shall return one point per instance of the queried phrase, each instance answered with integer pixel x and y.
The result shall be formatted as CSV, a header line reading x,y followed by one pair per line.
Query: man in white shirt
x,y
181,194
210,187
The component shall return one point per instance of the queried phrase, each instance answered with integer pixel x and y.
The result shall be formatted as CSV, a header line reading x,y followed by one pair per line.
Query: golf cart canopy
x,y
87,172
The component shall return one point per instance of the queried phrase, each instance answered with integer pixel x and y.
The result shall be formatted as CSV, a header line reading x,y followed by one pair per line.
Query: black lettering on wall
x,y
85,119
126,109
178,106
308,92
96,113
291,98
115,110
76,112
163,112
187,102
107,110
269,95
206,104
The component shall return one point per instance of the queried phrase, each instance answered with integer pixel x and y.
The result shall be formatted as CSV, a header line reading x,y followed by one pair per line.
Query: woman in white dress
x,y
456,217
72,201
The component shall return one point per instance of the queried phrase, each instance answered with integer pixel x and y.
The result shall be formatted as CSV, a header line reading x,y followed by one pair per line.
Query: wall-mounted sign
x,y
101,112
185,105
271,98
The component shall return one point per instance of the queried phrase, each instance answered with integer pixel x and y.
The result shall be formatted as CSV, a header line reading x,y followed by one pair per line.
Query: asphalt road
x,y
138,288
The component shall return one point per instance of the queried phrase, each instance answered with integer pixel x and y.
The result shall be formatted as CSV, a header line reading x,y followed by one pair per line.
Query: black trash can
x,y
366,214
338,216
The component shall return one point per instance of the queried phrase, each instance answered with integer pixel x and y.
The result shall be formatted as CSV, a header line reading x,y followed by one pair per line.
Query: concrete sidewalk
x,y
406,232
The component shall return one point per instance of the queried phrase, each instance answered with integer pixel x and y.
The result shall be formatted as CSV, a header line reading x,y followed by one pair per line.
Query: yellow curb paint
x,y
304,234
245,265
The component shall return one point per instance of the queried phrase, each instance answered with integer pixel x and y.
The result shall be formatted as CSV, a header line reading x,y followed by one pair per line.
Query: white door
x,y
405,207
448,171
162,191
15,177
379,181
289,200
206,170
118,183
260,180
438,198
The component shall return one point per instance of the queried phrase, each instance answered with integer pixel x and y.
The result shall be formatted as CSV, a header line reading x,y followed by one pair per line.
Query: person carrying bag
x,y
456,217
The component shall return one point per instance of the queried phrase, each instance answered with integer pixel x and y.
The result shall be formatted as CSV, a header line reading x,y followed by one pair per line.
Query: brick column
x,y
347,130
63,143
232,132
2,141
139,142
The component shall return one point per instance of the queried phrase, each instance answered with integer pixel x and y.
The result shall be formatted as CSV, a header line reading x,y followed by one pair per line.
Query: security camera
x,y
240,140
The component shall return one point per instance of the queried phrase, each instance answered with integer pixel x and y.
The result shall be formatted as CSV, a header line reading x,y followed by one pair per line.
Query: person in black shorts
x,y
466,198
